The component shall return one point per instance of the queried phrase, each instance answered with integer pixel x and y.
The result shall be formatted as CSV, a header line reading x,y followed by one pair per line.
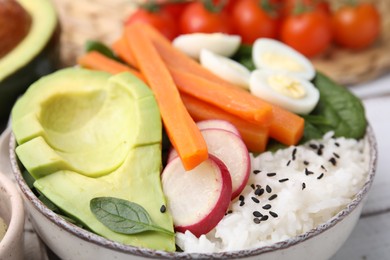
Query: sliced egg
x,y
220,43
226,68
274,55
285,90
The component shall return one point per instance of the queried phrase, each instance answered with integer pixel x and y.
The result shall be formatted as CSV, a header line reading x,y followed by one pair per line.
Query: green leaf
x,y
338,110
123,216
244,56
101,48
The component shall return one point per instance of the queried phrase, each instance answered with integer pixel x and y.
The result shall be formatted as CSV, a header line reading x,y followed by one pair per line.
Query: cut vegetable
x,y
254,136
285,90
197,199
225,68
218,124
122,49
97,61
181,129
274,55
232,99
220,43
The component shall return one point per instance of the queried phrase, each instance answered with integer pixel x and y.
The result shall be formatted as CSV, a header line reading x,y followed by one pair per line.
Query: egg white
x,y
259,86
219,43
274,55
225,68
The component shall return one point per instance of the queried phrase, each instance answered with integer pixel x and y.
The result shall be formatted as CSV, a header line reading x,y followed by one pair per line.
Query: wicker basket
x,y
102,20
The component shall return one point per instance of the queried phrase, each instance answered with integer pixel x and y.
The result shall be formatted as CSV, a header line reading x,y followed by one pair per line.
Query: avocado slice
x,y
84,134
36,55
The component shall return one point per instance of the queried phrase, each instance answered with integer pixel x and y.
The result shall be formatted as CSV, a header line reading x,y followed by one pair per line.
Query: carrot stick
x,y
97,61
181,129
286,127
231,99
254,136
122,49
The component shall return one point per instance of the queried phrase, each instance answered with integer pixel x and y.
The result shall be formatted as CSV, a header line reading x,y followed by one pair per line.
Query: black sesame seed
x,y
313,146
323,167
337,144
257,214
288,163
333,161
163,209
268,189
319,151
307,172
241,198
253,186
321,146
267,206
256,220
336,155
320,177
303,186
265,217
242,203
230,212
273,197
294,153
306,163
259,191
273,214
256,171
256,200
283,180
271,174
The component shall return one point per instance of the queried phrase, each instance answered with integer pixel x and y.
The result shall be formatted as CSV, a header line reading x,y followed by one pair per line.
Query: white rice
x,y
298,210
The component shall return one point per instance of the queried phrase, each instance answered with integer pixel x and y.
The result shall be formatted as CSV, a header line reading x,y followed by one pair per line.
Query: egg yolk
x,y
280,61
287,86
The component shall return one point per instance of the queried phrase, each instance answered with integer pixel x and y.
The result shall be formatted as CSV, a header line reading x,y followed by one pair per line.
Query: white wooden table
x,y
370,240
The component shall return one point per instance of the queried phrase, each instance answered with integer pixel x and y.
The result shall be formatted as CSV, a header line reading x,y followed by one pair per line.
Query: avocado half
x,y
36,55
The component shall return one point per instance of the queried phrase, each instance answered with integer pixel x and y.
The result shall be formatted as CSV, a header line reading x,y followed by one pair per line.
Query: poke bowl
x,y
99,181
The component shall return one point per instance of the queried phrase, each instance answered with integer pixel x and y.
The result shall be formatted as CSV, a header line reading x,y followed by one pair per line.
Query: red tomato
x,y
290,6
159,20
356,27
174,9
252,21
197,18
309,33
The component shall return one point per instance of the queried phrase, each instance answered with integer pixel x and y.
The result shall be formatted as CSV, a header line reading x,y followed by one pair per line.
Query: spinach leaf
x,y
338,110
123,216
100,47
244,56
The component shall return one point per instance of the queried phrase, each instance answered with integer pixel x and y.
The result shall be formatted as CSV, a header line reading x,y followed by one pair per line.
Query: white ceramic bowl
x,y
71,242
12,212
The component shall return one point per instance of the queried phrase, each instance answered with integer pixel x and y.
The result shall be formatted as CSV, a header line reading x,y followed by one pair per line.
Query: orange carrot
x,y
234,100
97,61
181,129
286,127
122,49
254,136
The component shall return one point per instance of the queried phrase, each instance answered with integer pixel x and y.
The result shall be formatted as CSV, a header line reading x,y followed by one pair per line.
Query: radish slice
x,y
233,152
217,124
197,199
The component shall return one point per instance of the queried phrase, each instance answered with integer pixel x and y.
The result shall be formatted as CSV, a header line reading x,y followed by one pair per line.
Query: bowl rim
x,y
150,253
15,226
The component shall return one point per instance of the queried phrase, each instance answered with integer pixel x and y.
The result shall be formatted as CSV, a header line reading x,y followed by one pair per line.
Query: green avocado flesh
x,y
84,134
36,55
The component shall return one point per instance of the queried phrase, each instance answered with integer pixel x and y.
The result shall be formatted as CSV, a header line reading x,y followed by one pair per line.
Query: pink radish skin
x,y
197,199
229,148
217,124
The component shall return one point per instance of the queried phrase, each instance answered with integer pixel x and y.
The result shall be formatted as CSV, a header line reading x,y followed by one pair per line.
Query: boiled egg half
x,y
219,43
226,68
274,55
285,90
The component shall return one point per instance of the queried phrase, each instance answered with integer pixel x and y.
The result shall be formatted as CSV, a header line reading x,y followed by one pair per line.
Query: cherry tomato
x,y
290,6
158,19
174,9
197,18
309,33
356,27
253,21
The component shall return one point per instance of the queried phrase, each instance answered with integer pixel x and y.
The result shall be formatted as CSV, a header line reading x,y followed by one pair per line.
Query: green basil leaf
x,y
123,216
338,110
